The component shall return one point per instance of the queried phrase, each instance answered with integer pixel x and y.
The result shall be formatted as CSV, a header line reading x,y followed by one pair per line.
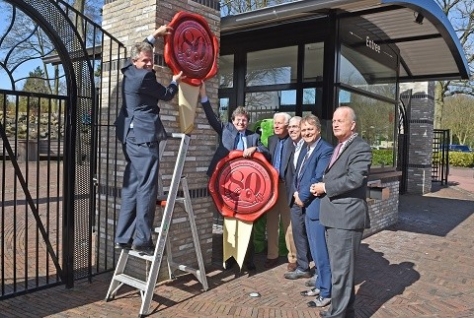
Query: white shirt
x,y
298,147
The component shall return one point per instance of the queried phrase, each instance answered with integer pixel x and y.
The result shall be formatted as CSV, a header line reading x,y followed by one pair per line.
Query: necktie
x,y
240,142
303,162
277,158
335,154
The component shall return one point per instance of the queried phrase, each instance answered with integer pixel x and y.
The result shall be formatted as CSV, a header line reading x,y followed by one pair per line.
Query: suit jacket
x,y
287,169
344,204
312,172
141,93
227,134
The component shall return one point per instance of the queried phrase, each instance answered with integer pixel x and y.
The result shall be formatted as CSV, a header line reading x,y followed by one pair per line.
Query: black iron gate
x,y
440,159
58,152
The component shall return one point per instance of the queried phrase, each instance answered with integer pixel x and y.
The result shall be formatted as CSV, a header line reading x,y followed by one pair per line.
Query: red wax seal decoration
x,y
244,188
191,48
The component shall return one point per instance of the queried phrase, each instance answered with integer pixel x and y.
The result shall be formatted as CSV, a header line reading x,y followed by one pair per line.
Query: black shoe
x,y
324,314
250,266
297,274
122,246
144,250
229,263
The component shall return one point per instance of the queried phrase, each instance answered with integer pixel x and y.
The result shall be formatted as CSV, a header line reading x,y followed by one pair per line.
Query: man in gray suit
x,y
344,210
140,130
281,149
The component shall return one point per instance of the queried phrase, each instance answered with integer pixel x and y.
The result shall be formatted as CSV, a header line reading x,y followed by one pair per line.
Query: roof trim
x,y
433,12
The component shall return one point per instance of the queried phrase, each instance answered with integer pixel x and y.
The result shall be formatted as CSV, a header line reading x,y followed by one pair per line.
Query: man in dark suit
x,y
281,149
344,210
312,162
140,130
232,136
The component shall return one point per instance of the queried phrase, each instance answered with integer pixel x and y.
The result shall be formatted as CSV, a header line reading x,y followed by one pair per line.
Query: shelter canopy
x,y
429,47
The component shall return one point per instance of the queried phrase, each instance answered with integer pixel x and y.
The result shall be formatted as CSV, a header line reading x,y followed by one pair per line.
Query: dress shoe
x,y
229,263
250,266
310,293
291,266
270,263
144,250
319,302
297,274
122,246
311,282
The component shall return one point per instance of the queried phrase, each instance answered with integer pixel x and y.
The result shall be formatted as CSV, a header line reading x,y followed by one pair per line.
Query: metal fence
x,y
58,156
440,159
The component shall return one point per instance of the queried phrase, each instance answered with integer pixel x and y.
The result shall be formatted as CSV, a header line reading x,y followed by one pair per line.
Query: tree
x,y
460,14
459,117
231,7
35,83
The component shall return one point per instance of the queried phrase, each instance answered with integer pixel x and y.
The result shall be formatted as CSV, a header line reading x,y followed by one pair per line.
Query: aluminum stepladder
x,y
168,202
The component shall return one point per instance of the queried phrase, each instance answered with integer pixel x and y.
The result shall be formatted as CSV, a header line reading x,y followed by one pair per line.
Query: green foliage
x,y
461,159
266,129
382,158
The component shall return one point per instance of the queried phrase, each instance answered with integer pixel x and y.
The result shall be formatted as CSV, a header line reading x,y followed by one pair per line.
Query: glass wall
x,y
375,124
368,83
226,71
270,67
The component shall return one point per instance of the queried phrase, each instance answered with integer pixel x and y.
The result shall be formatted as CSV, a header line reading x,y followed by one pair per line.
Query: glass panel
x,y
274,66
226,71
309,96
223,109
364,73
313,62
375,123
262,105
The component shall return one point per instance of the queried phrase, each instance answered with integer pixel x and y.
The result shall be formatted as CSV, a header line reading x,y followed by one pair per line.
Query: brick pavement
x,y
421,267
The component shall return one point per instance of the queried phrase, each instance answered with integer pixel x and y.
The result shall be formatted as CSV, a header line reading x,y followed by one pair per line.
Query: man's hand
x,y
249,151
178,76
202,90
298,200
317,189
162,31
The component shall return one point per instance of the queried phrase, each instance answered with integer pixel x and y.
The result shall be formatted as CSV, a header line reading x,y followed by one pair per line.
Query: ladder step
x,y
161,201
131,281
140,255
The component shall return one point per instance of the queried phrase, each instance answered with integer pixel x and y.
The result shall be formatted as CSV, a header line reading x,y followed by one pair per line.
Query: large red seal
x,y
191,48
244,188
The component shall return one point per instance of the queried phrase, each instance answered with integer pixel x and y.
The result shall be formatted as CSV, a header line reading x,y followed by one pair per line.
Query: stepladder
x,y
146,282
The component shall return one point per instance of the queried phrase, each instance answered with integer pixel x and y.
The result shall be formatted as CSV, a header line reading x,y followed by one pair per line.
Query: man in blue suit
x,y
313,160
140,130
232,136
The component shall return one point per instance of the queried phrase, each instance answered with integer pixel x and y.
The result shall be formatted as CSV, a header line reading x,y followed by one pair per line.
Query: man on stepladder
x,y
140,130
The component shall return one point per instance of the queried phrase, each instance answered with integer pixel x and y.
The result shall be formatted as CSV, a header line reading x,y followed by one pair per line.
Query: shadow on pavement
x,y
432,215
379,280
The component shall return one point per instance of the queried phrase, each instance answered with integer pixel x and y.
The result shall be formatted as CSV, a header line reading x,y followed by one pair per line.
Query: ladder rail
x,y
147,287
165,222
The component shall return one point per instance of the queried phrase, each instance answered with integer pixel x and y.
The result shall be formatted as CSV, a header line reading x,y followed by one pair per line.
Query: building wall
x,y
384,213
132,21
421,115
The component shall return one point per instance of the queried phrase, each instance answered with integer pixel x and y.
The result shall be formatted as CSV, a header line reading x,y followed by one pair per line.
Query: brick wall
x,y
420,136
129,22
384,213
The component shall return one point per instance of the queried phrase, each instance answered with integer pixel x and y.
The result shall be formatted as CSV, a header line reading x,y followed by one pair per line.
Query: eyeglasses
x,y
293,126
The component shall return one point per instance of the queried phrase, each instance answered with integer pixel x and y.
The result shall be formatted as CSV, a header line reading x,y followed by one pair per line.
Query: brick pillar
x,y
421,136
132,21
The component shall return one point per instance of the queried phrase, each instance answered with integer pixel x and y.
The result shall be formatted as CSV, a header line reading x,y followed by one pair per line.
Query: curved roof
x,y
429,49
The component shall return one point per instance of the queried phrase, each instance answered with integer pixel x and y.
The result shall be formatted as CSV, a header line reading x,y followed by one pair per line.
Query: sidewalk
x,y
422,267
